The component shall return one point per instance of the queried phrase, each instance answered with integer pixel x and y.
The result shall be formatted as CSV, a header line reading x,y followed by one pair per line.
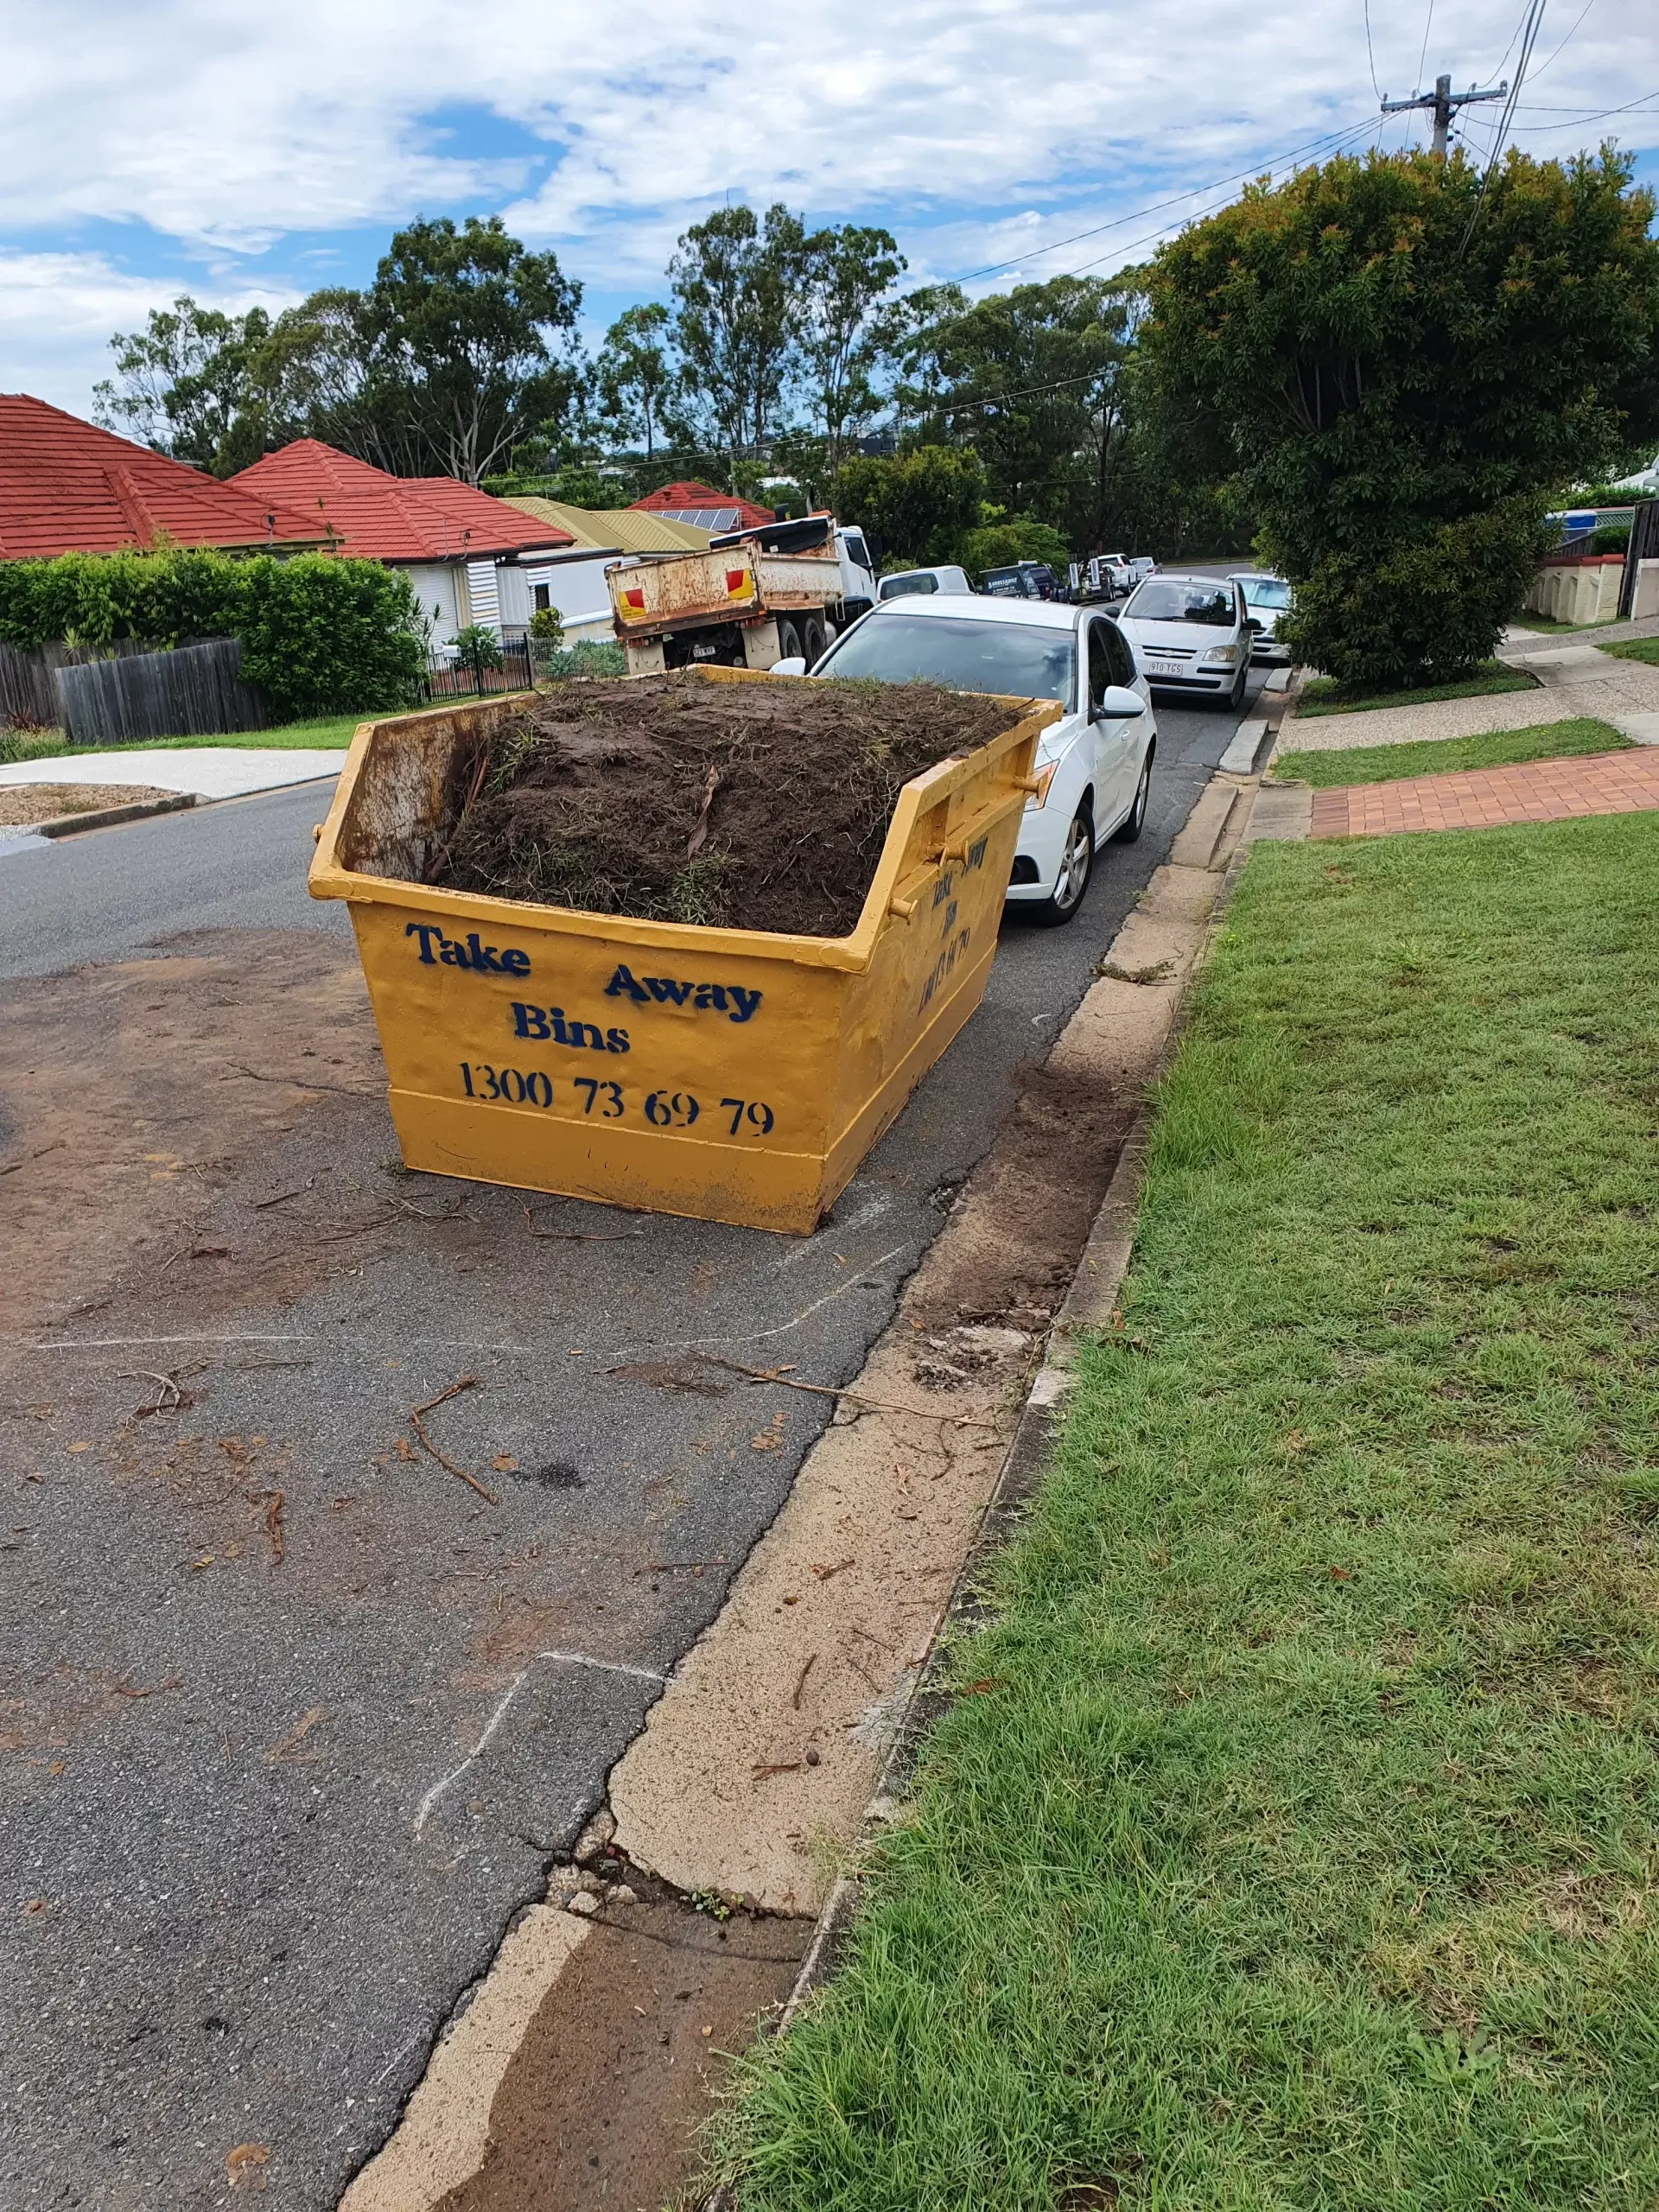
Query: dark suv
x,y
1025,579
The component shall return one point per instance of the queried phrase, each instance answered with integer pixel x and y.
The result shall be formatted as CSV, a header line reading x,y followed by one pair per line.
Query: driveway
x,y
254,1617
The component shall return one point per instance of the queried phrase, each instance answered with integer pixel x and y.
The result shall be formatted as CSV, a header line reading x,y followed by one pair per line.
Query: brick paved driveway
x,y
1483,798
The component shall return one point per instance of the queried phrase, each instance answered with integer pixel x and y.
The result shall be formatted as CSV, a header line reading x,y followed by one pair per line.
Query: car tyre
x,y
1235,699
1128,831
1065,901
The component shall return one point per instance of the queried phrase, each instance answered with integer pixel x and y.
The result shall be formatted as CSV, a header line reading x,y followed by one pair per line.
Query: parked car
x,y
1268,597
1191,635
1025,579
1093,766
913,583
1141,566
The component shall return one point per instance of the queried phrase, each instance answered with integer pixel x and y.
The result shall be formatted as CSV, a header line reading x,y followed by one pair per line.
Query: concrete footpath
x,y
1574,679
208,771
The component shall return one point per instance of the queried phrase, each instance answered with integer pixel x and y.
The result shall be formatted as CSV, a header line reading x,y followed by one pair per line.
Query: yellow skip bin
x,y
731,1074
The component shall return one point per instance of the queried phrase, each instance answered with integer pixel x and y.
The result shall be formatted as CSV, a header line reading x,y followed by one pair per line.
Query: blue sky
x,y
245,153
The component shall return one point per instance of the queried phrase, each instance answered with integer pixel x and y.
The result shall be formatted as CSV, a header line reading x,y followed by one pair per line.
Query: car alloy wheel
x,y
1077,865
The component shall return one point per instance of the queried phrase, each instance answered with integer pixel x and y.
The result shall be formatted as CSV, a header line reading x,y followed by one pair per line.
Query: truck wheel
x,y
812,640
789,641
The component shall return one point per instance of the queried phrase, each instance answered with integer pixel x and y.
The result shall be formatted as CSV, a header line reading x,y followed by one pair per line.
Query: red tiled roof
x,y
66,486
381,517
689,497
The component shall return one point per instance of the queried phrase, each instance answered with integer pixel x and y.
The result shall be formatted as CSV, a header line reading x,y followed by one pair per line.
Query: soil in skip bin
x,y
758,806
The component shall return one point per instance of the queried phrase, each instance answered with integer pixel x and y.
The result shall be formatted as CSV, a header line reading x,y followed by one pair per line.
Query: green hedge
x,y
320,635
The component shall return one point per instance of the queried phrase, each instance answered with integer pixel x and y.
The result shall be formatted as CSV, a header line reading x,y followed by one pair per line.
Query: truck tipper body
x,y
756,596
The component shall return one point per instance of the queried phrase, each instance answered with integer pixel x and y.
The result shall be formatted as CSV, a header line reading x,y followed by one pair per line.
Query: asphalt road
x,y
251,1935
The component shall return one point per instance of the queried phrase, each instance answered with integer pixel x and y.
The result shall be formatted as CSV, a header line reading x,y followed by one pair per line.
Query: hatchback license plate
x,y
1165,667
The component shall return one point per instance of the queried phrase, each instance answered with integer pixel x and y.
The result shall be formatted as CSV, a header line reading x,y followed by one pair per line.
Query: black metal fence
x,y
193,691
506,668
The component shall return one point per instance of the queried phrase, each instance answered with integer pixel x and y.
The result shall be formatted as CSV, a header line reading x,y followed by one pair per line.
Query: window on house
x,y
538,592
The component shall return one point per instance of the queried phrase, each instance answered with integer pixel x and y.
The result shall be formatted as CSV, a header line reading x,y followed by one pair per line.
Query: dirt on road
x,y
130,1095
758,806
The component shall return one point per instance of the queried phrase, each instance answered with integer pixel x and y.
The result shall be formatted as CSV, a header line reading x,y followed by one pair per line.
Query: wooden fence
x,y
193,691
29,693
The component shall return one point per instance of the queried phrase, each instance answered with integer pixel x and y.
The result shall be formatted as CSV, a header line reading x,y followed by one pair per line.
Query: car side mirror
x,y
1251,623
1117,704
795,666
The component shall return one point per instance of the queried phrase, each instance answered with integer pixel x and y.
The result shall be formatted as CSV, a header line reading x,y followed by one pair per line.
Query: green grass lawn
x,y
328,733
1645,648
1497,748
1547,628
1322,695
1299,1853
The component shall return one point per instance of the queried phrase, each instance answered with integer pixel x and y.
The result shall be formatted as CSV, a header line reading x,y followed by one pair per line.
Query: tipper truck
x,y
756,596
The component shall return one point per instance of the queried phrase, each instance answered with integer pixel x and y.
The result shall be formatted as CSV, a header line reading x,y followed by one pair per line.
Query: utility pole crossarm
x,y
1444,103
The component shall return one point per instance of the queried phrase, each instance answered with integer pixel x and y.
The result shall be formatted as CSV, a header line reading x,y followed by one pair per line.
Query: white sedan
x,y
1191,635
1093,766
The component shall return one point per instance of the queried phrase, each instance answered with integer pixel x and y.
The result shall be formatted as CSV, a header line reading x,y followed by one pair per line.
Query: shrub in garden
x,y
320,635
1404,360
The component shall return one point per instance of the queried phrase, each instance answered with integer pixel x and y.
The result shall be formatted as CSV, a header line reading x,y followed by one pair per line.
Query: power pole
x,y
1444,104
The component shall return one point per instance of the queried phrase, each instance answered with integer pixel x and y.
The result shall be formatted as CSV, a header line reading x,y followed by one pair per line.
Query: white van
x,y
911,583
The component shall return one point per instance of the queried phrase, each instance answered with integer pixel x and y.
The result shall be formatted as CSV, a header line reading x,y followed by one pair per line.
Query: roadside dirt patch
x,y
131,1095
602,2099
760,806
24,804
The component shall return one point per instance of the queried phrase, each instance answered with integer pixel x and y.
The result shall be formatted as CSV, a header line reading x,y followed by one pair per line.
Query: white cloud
x,y
57,311
972,127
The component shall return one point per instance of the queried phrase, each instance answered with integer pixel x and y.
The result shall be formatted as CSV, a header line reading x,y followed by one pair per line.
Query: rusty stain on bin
x,y
734,1074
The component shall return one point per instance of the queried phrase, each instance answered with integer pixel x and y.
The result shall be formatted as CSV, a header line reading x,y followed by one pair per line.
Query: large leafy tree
x,y
845,326
476,330
635,375
1034,378
1402,362
184,384
737,282
920,506
461,347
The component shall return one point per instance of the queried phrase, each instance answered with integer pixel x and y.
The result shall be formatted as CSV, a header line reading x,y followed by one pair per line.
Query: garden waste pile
x,y
756,807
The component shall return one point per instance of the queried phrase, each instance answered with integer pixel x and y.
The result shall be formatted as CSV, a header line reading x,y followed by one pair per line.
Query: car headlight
x,y
1044,777
1218,657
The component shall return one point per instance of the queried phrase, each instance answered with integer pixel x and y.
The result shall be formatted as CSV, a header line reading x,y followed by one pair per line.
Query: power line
x,y
1580,117
1529,38
1423,56
1343,139
1138,214
1567,40
1369,54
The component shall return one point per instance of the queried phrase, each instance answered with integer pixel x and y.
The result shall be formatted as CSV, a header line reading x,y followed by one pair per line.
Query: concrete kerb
x,y
111,817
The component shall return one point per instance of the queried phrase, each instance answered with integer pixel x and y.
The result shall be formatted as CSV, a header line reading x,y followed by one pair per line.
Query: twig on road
x,y
579,1235
467,1383
832,1390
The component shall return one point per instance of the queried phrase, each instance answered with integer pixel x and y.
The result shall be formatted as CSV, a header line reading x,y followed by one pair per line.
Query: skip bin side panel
x,y
571,1062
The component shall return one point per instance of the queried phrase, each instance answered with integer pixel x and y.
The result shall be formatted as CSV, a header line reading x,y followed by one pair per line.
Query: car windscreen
x,y
908,585
1159,601
1271,592
1016,657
